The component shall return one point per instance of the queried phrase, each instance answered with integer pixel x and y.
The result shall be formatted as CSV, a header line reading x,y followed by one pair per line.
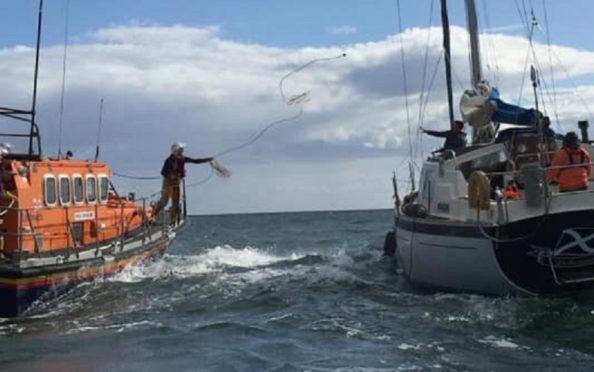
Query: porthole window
x,y
64,190
103,188
49,190
91,189
78,189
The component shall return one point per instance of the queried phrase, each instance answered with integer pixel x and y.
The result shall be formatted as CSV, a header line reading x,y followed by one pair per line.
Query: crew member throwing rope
x,y
173,172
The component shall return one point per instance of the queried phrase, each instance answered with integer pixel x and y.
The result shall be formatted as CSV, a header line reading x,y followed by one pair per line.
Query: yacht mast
x,y
475,57
445,24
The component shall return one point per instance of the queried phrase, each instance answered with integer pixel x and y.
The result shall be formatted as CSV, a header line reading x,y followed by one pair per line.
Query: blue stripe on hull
x,y
15,302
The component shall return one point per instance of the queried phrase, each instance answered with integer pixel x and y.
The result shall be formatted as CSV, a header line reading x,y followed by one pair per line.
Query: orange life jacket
x,y
573,177
511,192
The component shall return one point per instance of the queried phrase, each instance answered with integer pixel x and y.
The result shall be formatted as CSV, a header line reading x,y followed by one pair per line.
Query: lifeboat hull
x,y
40,282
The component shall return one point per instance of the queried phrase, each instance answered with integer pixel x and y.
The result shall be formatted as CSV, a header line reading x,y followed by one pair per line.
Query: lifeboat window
x,y
91,189
103,188
78,191
64,190
49,190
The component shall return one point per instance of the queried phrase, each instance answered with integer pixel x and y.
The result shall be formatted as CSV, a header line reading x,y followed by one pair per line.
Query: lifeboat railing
x,y
26,228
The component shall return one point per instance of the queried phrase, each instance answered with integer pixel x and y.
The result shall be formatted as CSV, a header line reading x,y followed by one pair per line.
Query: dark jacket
x,y
174,167
454,140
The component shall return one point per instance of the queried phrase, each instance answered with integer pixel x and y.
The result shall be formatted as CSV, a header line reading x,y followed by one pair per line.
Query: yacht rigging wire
x,y
419,137
492,64
551,69
405,83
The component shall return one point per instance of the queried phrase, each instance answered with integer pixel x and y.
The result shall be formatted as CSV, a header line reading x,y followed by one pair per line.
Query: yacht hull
x,y
544,255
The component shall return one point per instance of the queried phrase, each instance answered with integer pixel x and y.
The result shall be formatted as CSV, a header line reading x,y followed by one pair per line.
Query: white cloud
x,y
343,30
163,84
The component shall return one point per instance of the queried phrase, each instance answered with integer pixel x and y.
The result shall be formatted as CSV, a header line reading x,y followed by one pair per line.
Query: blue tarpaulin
x,y
511,114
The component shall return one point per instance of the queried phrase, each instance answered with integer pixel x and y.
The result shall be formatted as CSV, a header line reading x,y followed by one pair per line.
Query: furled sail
x,y
482,105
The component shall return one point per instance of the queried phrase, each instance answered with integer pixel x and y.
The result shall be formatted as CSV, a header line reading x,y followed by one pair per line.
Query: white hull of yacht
x,y
543,255
450,262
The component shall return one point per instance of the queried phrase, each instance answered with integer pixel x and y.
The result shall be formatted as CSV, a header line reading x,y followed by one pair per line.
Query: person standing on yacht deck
x,y
455,138
571,166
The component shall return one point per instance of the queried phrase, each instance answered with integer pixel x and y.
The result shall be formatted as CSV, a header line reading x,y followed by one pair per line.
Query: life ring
x,y
479,190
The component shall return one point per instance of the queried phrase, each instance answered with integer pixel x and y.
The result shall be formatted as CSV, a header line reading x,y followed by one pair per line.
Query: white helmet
x,y
5,148
177,146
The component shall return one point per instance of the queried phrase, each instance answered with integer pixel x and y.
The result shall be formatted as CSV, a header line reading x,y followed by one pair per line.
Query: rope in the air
x,y
295,100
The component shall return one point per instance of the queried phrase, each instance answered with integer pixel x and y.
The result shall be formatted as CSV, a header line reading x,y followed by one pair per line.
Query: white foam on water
x,y
405,346
117,327
499,342
211,261
246,257
254,276
338,269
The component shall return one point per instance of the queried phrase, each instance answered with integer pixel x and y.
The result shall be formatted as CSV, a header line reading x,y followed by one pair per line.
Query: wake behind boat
x,y
63,222
461,231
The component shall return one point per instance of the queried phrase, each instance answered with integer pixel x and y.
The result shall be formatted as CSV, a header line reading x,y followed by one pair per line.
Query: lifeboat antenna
x,y
66,21
99,128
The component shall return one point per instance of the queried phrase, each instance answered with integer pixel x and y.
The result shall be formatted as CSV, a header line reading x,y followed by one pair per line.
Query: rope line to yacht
x,y
298,100
135,177
302,67
193,184
261,132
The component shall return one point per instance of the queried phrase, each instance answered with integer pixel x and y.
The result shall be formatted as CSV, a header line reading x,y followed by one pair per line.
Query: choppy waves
x,y
229,296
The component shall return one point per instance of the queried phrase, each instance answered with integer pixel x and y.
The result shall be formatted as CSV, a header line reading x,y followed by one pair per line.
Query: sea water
x,y
291,292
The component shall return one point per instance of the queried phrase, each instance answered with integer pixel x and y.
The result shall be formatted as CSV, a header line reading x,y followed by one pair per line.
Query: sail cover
x,y
482,105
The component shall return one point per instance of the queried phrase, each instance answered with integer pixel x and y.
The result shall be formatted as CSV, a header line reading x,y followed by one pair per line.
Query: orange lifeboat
x,y
62,221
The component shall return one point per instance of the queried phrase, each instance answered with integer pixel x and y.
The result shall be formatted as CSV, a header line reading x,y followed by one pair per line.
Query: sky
x,y
218,75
